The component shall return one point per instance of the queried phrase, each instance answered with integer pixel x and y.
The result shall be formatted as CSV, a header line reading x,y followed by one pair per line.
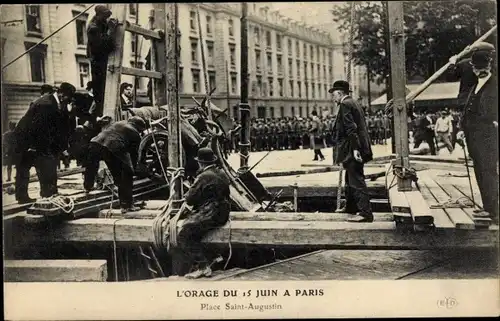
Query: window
x,y
232,52
132,9
290,65
194,51
289,47
324,56
307,110
133,43
282,111
271,112
259,85
192,20
304,51
311,52
257,59
313,90
210,53
301,111
257,36
326,90
269,62
330,71
181,80
305,69
33,22
330,59
280,63
290,84
268,39
231,28
81,29
84,72
270,80
261,112
278,42
280,87
211,80
297,49
298,68
209,25
293,111
196,81
319,91
233,83
299,87
325,78
37,61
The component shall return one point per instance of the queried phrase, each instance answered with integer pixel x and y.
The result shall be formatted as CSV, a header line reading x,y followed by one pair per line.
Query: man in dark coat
x,y
207,203
480,126
316,139
118,146
352,150
41,136
100,43
126,95
425,132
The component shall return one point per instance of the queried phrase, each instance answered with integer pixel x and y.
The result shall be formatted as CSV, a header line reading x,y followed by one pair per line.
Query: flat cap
x,y
67,88
101,9
483,46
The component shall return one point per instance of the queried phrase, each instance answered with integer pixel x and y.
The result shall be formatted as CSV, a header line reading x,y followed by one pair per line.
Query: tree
x,y
434,31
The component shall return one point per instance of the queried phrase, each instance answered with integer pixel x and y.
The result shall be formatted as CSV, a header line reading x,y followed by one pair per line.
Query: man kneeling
x,y
118,146
207,203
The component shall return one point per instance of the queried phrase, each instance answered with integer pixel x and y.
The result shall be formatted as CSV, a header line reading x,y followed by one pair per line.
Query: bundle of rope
x,y
461,202
401,172
65,203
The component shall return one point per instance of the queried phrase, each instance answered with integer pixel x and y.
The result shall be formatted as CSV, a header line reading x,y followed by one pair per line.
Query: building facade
x,y
291,65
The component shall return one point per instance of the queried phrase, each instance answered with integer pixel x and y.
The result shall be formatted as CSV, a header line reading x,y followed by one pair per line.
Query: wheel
x,y
148,154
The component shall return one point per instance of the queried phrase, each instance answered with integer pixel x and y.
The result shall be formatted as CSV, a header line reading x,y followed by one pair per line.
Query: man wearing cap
x,y
480,127
42,135
352,150
207,207
443,130
100,43
118,146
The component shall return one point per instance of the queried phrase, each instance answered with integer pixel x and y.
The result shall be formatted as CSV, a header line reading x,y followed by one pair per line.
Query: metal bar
x,y
244,106
398,77
141,73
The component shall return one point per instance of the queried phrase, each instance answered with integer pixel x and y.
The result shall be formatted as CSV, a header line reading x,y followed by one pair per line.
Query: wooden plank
x,y
418,208
399,204
255,216
465,191
141,73
456,215
132,27
55,270
375,190
328,235
441,219
478,221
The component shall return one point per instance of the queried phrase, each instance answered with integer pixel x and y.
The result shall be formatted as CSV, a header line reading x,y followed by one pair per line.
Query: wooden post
x,y
204,66
244,106
388,84
137,54
398,77
113,73
3,106
228,100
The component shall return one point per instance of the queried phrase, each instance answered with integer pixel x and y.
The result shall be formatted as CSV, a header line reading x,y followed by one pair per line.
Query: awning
x,y
437,91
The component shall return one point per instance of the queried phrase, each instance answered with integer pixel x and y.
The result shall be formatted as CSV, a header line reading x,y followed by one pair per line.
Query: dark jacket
x,y
463,72
122,140
99,42
44,128
125,105
210,193
482,108
351,133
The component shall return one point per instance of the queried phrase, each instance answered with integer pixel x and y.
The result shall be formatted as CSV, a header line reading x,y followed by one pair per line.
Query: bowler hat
x,y
101,9
90,85
46,88
206,155
340,85
482,54
137,122
67,88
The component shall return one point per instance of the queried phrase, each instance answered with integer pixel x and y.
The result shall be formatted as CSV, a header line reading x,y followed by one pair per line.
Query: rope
x,y
48,37
461,202
65,203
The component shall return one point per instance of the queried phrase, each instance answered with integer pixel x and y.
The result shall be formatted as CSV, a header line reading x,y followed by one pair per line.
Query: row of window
x,y
259,88
262,112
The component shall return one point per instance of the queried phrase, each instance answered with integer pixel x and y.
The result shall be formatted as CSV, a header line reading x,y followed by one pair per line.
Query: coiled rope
x,y
65,203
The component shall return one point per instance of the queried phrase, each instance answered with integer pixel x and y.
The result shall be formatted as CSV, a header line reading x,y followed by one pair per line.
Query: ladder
x,y
115,68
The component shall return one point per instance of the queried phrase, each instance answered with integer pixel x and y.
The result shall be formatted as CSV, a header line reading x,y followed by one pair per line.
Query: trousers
x,y
98,72
46,170
122,175
357,197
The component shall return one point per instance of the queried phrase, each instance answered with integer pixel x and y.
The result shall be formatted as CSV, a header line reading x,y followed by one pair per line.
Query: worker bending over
x,y
207,207
118,146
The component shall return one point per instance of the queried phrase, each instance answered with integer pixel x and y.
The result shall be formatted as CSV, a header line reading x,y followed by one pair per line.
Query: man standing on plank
x,y
352,150
480,127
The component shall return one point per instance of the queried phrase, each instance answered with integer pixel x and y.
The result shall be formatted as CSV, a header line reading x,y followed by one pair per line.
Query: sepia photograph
x,y
250,159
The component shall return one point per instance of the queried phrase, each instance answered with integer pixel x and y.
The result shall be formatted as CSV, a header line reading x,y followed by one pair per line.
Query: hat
x,y
67,88
101,9
46,88
206,155
137,122
481,54
89,85
340,85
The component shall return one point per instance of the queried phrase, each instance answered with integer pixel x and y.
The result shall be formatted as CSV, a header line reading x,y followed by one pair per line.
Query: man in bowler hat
x,y
352,150
207,207
480,127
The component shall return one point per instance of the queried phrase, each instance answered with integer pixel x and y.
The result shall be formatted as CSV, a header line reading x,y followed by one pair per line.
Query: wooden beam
x,y
398,78
418,208
375,189
378,235
141,73
134,28
55,271
115,61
